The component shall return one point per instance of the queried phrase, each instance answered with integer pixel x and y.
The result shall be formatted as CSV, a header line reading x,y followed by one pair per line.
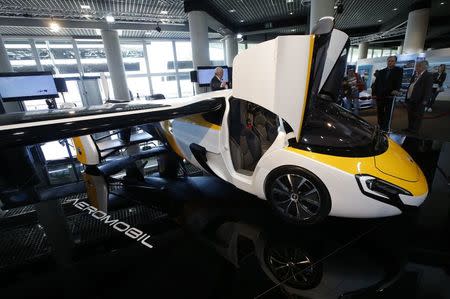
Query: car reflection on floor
x,y
339,258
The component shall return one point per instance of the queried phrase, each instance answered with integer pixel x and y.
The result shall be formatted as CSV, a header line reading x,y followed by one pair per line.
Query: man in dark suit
x,y
216,81
418,95
387,85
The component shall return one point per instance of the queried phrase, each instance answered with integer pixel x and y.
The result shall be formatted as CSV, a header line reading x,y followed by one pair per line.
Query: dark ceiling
x,y
267,17
359,17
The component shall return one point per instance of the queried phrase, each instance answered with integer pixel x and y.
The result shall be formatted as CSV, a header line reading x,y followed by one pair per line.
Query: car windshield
x,y
332,130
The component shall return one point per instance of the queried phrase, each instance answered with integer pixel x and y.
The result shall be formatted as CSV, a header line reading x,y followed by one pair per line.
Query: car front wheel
x,y
297,195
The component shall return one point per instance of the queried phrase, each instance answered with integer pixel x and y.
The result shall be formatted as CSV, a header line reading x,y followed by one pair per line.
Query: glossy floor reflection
x,y
211,240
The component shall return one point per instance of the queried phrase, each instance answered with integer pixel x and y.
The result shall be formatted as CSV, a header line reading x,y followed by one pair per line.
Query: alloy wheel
x,y
296,197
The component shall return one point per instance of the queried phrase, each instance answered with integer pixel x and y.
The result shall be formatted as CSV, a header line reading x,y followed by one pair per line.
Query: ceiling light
x,y
83,6
291,13
87,16
110,19
232,10
164,12
379,21
442,3
98,32
289,1
239,35
119,32
395,8
292,30
242,21
54,27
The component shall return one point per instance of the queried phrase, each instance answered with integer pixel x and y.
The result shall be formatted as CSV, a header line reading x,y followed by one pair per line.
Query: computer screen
x,y
206,73
27,86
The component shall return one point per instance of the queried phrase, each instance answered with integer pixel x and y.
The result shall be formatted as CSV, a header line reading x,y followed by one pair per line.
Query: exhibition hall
x,y
225,149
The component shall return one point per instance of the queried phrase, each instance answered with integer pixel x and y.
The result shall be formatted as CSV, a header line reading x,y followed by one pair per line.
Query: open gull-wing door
x,y
285,74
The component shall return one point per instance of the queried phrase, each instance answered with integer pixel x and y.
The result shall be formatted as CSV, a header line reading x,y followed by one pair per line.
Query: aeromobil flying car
x,y
277,134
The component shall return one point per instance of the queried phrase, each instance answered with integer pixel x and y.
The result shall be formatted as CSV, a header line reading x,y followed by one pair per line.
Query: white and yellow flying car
x,y
280,136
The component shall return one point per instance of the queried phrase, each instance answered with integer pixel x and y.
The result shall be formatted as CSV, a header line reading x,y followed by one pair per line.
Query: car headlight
x,y
373,186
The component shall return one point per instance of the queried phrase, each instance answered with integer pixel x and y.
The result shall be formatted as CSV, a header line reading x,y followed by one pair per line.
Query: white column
x,y
115,64
231,49
363,49
5,67
198,29
416,31
320,9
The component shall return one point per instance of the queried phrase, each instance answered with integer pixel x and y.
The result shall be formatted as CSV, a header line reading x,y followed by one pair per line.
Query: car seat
x,y
266,128
245,145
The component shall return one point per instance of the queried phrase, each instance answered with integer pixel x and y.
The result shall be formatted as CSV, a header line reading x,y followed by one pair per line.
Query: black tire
x,y
168,165
297,195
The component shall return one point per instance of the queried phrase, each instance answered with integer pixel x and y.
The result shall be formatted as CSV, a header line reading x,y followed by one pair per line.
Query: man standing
x,y
216,81
418,95
387,85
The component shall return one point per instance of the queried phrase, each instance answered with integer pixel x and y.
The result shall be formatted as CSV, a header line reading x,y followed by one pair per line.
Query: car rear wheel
x,y
297,195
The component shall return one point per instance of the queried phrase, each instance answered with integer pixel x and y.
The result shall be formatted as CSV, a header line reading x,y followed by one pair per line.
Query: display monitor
x,y
206,73
27,86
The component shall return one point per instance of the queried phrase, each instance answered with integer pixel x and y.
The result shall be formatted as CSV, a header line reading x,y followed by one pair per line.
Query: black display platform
x,y
211,240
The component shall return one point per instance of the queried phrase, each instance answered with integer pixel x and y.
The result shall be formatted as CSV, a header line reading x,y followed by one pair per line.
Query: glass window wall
x,y
21,56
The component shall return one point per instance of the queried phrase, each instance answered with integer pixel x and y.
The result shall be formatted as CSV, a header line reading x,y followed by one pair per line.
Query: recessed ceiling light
x,y
395,8
232,10
442,3
379,21
110,19
291,13
242,21
164,12
54,27
83,6
238,35
289,1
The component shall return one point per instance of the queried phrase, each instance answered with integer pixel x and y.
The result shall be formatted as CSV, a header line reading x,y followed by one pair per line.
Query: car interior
x,y
253,129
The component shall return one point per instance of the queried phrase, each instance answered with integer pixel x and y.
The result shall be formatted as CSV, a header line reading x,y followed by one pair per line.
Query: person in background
x,y
375,75
216,81
354,81
418,95
387,85
438,82
346,92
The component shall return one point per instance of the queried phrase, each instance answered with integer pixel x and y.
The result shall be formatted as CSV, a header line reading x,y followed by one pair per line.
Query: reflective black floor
x,y
210,240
